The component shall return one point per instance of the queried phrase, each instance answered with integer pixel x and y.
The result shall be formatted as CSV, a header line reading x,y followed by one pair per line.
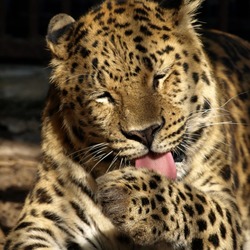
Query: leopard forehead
x,y
122,39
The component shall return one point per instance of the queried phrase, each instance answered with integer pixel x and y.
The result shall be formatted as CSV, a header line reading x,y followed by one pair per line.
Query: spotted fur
x,y
128,78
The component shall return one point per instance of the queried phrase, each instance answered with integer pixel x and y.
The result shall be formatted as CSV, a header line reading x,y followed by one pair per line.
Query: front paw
x,y
128,198
114,194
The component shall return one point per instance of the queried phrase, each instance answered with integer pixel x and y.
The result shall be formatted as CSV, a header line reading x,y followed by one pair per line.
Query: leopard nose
x,y
145,136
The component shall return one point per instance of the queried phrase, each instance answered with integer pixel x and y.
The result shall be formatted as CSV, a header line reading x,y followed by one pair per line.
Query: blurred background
x,y
24,80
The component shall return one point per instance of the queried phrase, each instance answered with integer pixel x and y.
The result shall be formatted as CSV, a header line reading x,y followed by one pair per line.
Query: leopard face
x,y
130,85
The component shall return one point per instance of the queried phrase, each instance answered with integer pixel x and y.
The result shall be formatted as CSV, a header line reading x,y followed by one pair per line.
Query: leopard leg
x,y
150,208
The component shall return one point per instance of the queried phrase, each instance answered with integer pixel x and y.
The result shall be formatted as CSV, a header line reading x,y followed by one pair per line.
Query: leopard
x,y
145,134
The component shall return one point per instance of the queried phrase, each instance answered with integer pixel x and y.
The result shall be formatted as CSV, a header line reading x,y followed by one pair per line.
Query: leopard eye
x,y
105,97
156,79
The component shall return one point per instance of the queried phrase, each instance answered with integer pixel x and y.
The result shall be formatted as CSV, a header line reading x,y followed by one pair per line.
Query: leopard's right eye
x,y
105,97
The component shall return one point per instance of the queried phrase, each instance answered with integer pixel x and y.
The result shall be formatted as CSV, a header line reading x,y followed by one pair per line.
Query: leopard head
x,y
130,78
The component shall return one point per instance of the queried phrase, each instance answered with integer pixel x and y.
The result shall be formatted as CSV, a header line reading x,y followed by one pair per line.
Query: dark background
x,y
23,23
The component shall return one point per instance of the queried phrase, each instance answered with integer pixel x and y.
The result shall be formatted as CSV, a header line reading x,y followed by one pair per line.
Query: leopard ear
x,y
58,35
188,12
184,10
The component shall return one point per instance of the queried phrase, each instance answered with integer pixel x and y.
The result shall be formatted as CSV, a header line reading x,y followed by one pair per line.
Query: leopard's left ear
x,y
58,34
184,10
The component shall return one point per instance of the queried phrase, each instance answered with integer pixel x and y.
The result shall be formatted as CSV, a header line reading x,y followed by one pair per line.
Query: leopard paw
x,y
129,202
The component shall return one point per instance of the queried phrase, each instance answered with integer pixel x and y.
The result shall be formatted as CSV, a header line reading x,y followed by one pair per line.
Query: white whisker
x,y
234,97
113,161
121,161
105,156
88,149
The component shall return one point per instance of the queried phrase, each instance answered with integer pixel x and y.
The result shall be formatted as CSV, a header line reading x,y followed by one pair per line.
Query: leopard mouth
x,y
179,156
165,164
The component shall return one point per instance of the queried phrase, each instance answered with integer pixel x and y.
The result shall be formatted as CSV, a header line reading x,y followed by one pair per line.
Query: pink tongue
x,y
161,163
